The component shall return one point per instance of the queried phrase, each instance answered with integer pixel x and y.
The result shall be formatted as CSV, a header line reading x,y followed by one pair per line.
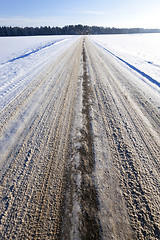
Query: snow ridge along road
x,y
80,153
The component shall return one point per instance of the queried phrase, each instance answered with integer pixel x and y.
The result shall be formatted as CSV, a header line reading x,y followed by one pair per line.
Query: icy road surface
x,y
80,149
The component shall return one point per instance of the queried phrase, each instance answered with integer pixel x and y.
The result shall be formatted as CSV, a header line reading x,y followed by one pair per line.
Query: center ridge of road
x,y
80,153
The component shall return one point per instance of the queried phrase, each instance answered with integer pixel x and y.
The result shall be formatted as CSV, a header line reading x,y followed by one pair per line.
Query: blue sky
x,y
108,13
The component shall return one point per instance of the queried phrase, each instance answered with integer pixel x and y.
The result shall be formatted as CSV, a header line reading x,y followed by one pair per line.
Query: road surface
x,y
80,154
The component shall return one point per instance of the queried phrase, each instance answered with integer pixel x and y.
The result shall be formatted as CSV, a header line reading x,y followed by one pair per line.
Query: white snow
x,y
24,58
141,51
14,47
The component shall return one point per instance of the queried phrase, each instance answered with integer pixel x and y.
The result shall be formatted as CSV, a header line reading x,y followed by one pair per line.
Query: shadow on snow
x,y
134,68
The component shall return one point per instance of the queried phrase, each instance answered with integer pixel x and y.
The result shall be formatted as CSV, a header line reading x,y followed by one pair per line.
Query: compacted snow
x,y
79,137
138,53
141,51
23,58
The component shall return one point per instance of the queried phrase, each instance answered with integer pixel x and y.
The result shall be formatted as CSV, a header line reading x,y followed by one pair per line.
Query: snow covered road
x,y
80,147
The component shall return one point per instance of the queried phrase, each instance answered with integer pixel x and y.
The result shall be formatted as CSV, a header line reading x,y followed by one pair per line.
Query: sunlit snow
x,y
24,58
141,51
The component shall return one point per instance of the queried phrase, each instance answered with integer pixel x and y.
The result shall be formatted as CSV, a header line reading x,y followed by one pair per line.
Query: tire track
x,y
32,182
80,151
81,206
133,147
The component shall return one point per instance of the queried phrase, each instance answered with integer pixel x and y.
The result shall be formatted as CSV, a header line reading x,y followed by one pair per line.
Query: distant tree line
x,y
70,30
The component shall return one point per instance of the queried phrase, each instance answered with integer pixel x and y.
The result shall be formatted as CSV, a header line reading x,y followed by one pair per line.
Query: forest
x,y
70,30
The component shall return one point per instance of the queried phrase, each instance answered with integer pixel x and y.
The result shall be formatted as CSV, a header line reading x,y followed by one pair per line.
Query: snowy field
x,y
139,52
24,58
79,131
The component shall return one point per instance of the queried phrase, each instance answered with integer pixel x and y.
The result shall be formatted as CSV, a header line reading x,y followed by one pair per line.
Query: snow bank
x,y
141,52
12,47
23,58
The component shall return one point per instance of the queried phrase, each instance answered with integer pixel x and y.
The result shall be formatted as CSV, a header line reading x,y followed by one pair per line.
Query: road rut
x,y
80,154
